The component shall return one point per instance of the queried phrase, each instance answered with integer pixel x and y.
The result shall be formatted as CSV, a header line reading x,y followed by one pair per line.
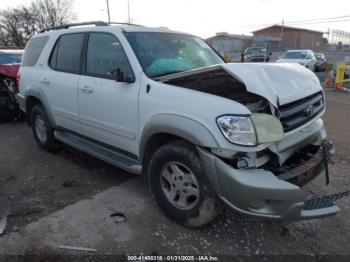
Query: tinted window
x,y
105,56
33,50
66,55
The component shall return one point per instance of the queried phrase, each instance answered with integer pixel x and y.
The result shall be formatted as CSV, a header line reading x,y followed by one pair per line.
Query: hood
x,y
9,70
279,83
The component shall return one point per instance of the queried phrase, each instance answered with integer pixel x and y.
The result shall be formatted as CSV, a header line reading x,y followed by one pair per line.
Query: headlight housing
x,y
238,129
256,129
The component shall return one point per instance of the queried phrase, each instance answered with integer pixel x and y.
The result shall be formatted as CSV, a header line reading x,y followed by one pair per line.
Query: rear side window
x,y
66,55
33,50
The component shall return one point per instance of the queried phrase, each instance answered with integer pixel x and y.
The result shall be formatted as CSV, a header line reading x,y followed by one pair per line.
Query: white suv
x,y
165,105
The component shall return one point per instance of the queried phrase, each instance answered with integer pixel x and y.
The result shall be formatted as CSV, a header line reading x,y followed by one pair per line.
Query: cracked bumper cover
x,y
260,193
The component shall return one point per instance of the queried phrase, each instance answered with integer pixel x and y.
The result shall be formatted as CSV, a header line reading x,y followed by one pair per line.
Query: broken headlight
x,y
238,129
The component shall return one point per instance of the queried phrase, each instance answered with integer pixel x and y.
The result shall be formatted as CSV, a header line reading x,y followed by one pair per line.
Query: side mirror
x,y
122,77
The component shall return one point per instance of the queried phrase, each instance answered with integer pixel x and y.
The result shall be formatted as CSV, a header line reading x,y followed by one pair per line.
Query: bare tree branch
x,y
17,25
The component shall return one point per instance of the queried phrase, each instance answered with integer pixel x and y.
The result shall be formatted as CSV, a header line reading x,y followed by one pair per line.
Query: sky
x,y
206,17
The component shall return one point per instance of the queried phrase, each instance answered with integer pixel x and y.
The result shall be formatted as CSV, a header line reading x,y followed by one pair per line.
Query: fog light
x,y
256,204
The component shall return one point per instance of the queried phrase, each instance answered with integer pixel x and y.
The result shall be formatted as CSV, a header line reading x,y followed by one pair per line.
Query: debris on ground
x,y
86,249
70,183
3,223
119,217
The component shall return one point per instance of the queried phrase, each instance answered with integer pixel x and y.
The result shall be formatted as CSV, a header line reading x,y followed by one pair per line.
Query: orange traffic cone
x,y
329,83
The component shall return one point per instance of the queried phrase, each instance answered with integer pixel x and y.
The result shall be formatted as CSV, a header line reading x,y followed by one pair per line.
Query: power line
x,y
321,22
314,20
320,19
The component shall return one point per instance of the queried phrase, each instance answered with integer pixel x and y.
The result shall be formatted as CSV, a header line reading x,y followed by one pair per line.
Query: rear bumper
x,y
260,193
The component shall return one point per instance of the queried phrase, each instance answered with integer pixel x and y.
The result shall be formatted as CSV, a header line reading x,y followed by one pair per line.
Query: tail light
x,y
18,78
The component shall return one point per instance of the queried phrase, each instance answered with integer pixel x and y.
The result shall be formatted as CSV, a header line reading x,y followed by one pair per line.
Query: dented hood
x,y
279,83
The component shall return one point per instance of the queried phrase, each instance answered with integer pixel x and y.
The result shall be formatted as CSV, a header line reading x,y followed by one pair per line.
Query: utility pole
x,y
282,29
109,17
129,20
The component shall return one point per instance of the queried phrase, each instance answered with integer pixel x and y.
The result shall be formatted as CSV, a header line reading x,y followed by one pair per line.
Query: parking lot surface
x,y
69,198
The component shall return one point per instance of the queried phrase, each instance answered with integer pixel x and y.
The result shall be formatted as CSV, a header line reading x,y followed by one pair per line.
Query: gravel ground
x,y
33,185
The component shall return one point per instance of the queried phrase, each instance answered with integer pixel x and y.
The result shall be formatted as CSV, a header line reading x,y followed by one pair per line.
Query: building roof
x,y
289,27
246,37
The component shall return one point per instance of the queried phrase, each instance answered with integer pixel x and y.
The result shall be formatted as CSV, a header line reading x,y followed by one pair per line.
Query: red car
x,y
9,65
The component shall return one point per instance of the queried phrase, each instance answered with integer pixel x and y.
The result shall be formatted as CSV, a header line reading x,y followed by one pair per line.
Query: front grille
x,y
298,113
258,59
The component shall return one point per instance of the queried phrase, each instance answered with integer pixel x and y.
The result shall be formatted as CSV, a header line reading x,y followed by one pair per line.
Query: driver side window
x,y
106,57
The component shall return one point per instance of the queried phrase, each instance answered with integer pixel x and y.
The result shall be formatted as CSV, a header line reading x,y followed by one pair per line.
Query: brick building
x,y
294,38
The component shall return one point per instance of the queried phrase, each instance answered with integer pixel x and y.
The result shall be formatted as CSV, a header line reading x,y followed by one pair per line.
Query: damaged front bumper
x,y
261,193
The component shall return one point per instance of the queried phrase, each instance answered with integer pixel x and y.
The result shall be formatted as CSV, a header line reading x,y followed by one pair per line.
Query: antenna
x,y
109,16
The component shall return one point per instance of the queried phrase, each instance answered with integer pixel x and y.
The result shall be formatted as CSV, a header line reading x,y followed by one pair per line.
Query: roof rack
x,y
122,23
66,26
96,23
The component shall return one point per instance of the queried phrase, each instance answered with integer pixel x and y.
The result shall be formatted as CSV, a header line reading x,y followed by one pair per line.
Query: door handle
x,y
87,89
45,81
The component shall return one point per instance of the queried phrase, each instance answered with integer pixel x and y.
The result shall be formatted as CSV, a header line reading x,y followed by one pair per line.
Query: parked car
x,y
9,65
303,57
163,104
321,62
256,54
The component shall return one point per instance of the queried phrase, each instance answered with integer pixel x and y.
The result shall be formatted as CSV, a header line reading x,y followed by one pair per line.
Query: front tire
x,y
42,130
180,186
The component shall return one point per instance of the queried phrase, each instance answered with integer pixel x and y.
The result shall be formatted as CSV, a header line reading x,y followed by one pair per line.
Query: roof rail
x,y
66,26
122,23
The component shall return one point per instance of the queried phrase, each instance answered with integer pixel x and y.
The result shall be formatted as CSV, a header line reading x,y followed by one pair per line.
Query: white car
x,y
164,105
303,57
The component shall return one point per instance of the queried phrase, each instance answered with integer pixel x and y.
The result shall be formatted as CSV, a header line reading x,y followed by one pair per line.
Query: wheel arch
x,y
33,97
164,128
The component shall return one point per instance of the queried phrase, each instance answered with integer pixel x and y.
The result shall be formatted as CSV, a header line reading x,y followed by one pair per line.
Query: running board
x,y
103,153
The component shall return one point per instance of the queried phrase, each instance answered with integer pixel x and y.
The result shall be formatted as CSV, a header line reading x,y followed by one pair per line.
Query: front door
x,y
108,108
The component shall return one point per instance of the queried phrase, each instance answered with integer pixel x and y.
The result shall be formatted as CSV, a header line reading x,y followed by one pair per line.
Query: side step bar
x,y
112,157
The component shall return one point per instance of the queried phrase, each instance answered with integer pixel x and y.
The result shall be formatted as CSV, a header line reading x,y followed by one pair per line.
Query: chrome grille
x,y
298,113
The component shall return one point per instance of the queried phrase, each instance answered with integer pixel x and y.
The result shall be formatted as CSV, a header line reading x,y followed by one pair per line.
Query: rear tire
x,y
180,186
42,130
6,115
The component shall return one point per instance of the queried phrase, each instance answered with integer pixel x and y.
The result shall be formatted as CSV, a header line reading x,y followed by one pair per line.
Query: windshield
x,y
256,50
295,55
10,59
166,53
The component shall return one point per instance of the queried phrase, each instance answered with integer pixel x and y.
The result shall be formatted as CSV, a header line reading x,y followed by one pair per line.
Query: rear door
x,y
108,108
62,77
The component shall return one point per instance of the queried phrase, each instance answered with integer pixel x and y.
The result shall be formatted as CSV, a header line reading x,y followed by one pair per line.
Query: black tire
x,y
7,115
9,111
207,205
49,144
